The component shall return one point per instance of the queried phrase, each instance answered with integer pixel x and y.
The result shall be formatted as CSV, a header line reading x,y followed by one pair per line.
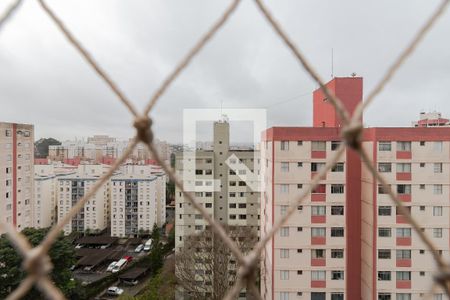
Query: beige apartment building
x,y
137,200
16,174
235,204
347,240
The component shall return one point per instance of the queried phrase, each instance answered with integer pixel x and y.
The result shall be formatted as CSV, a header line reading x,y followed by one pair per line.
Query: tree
x,y
61,253
42,145
205,267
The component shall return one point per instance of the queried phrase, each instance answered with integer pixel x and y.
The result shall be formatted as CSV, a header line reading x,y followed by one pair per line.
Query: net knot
x,y
37,262
351,134
143,126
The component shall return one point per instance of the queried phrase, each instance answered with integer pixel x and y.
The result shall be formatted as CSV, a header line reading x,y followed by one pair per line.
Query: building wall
x,y
16,174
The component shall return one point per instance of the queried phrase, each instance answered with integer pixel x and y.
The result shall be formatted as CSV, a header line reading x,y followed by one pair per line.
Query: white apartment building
x,y
137,200
71,188
16,174
46,191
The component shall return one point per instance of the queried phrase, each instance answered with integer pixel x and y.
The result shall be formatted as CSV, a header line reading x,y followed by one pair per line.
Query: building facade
x,y
346,240
137,200
16,174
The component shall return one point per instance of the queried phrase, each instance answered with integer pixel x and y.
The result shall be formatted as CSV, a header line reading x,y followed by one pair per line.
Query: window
x,y
284,167
339,167
284,188
404,168
403,232
403,275
337,210
382,190
284,275
437,146
437,232
232,205
299,143
438,297
404,189
422,186
242,205
318,275
384,254
337,275
208,205
337,253
318,146
283,209
335,145
384,296
384,167
317,232
404,146
437,211
318,253
318,210
284,253
315,167
317,296
403,296
437,167
284,145
422,143
337,188
299,186
384,275
384,232
422,165
384,210
299,164
284,295
384,146
284,231
437,189
403,254
337,231
337,296
198,172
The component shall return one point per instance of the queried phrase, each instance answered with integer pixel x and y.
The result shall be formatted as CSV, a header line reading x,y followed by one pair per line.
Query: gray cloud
x,y
44,81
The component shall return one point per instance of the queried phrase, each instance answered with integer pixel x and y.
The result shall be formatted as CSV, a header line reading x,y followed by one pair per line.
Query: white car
x,y
79,246
114,291
139,248
111,266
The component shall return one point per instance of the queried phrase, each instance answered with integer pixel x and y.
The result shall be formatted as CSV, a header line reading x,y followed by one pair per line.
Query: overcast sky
x,y
44,81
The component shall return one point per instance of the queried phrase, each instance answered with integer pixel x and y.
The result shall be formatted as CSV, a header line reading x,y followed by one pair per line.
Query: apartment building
x,y
431,119
235,203
94,216
16,174
137,200
346,240
46,191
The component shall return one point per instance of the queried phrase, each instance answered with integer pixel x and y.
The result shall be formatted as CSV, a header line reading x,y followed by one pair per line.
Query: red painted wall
x,y
348,89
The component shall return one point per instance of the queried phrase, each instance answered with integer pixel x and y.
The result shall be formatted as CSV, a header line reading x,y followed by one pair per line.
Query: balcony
x,y
318,240
313,174
318,284
403,263
401,219
318,197
403,284
402,176
403,241
404,197
404,155
318,154
318,262
319,219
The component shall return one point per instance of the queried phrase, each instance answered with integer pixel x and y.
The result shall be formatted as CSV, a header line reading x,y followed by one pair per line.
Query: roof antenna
x,y
332,64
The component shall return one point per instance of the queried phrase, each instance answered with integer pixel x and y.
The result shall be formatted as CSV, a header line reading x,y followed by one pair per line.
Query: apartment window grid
x,y
384,167
318,210
318,275
403,232
403,254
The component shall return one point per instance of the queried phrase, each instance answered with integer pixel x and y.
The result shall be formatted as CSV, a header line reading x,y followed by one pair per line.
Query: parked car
x,y
114,291
128,258
111,266
119,265
79,246
148,245
139,248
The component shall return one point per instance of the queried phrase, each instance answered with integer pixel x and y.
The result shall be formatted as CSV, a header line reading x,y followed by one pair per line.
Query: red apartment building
x,y
346,241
